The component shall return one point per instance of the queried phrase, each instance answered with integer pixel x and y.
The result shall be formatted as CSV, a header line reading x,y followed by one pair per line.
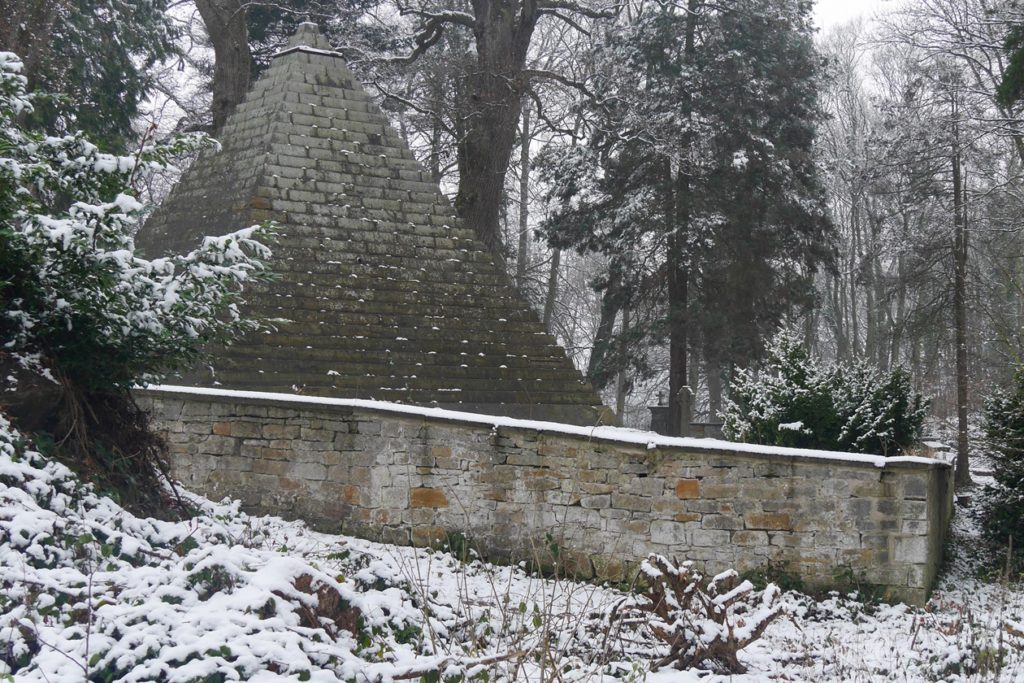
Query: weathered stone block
x,y
307,470
669,533
428,535
427,498
627,502
768,520
749,538
721,522
913,549
709,538
915,487
688,488
274,467
597,502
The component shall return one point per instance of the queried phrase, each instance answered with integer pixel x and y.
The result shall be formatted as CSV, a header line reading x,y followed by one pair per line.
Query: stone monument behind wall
x,y
379,291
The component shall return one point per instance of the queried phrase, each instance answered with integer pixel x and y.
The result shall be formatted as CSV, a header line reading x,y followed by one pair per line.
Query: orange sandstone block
x,y
350,494
428,498
688,488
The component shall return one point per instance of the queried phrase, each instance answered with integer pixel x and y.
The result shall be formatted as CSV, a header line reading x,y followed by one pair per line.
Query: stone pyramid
x,y
380,291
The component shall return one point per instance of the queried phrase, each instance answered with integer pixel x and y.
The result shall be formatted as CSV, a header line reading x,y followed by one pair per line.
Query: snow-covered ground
x,y
89,591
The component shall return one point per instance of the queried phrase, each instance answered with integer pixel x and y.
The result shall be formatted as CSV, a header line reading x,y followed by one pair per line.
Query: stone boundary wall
x,y
607,497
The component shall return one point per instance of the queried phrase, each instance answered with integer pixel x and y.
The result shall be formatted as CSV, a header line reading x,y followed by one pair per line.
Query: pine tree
x,y
93,57
697,173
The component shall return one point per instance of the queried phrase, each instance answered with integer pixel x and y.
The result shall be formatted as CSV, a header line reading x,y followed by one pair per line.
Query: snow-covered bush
x,y
82,316
72,288
88,591
702,623
1002,508
795,401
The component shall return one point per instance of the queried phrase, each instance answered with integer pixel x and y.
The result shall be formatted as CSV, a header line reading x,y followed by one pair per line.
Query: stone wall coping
x,y
620,435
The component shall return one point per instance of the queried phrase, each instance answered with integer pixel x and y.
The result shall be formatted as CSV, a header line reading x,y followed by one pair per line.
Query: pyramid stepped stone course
x,y
379,290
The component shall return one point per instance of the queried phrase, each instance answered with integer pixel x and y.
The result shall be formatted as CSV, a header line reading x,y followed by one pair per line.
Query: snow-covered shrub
x,y
701,623
82,316
880,411
71,286
796,401
786,403
1002,508
89,591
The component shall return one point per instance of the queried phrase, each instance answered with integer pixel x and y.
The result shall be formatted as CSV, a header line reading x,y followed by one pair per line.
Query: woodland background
x,y
669,183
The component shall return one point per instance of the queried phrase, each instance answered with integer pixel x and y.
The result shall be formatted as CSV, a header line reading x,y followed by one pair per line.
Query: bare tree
x,y
497,84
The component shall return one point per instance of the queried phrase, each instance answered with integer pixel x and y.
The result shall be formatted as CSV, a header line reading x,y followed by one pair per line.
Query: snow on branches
x,y
796,401
700,623
72,286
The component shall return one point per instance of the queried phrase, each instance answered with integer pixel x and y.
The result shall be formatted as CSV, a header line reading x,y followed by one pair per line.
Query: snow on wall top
x,y
614,434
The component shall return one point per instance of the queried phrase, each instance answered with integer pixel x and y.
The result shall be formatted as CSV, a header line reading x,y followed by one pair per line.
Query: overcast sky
x,y
828,13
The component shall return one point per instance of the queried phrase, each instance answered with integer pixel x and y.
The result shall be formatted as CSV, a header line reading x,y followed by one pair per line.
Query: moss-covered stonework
x,y
380,291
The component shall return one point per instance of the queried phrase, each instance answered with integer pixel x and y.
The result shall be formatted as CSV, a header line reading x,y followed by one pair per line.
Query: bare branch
x,y
568,20
543,117
431,31
608,13
446,17
434,115
541,74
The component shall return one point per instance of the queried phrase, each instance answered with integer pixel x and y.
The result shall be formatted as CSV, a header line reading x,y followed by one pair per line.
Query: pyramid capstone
x,y
379,290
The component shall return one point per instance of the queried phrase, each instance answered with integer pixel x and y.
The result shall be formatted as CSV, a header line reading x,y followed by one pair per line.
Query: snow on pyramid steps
x,y
382,292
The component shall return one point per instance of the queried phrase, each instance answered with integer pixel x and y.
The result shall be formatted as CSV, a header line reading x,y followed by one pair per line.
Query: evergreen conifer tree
x,y
696,179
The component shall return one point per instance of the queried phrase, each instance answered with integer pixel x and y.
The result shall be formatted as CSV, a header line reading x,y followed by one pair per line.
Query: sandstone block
x,y
721,522
768,520
427,498
750,538
913,549
627,502
596,502
688,488
915,487
671,533
709,538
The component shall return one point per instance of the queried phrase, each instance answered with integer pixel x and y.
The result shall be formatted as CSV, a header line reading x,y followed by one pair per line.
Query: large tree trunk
x,y
225,22
524,201
899,321
436,132
963,472
622,383
549,300
605,328
503,31
838,316
678,384
25,29
679,210
713,371
854,324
